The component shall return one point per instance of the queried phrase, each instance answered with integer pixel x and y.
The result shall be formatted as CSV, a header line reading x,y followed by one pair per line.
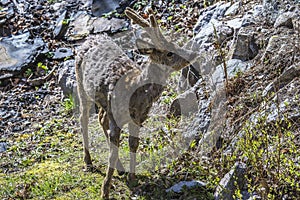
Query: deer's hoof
x,y
104,196
120,169
89,168
105,191
132,180
121,173
131,177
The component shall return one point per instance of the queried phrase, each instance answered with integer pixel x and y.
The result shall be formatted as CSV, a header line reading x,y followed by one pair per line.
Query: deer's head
x,y
159,49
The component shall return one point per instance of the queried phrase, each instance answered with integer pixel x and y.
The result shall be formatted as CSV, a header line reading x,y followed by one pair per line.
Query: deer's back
x,y
100,64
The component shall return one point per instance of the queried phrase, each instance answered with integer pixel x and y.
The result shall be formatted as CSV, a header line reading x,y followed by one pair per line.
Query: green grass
x,y
48,164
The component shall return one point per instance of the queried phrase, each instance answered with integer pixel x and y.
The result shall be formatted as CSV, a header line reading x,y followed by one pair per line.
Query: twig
x,y
41,80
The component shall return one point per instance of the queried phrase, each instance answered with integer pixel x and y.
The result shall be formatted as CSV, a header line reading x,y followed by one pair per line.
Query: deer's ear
x,y
144,47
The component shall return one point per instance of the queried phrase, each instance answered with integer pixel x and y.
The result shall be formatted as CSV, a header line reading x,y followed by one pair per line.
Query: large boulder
x,y
17,52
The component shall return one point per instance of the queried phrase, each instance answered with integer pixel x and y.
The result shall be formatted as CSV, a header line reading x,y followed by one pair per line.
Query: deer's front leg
x,y
114,140
133,145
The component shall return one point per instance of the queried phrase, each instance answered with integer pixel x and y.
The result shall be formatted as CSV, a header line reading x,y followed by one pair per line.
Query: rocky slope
x,y
241,128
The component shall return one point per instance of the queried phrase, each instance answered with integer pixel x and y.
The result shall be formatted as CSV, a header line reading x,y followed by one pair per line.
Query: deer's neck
x,y
152,82
155,73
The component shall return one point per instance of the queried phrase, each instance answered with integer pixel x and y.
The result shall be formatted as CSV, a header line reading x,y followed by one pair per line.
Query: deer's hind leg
x,y
104,122
85,106
114,141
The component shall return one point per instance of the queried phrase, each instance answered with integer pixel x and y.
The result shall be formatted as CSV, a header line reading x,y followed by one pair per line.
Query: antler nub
x,y
131,14
153,29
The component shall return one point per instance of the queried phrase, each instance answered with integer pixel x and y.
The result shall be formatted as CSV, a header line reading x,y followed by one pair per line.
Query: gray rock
x,y
61,26
206,35
185,104
234,66
80,26
270,10
285,19
4,2
6,12
201,120
257,10
286,77
244,47
214,29
17,52
67,79
248,20
126,3
3,146
235,23
87,3
83,24
212,12
277,47
105,25
188,184
224,32
289,104
233,10
100,7
274,8
62,53
232,181
221,9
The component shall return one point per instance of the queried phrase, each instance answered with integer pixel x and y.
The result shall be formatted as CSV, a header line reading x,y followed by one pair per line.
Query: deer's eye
x,y
170,54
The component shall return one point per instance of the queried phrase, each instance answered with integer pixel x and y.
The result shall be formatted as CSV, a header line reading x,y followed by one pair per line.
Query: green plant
x,y
49,54
206,3
28,72
65,21
140,4
238,73
269,151
42,66
67,58
52,1
113,13
69,104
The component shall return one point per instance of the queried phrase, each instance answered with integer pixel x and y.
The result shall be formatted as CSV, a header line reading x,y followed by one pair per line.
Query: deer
x,y
122,90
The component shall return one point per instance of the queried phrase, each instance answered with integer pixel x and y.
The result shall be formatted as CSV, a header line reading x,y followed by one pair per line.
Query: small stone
x,y
189,184
285,19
